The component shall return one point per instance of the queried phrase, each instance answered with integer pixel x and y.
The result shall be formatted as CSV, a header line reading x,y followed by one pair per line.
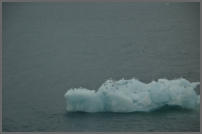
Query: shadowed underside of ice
x,y
133,95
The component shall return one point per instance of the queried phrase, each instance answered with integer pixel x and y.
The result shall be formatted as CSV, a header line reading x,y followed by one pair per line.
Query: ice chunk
x,y
133,95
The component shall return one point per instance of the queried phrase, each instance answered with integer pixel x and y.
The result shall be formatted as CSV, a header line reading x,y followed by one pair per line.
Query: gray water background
x,y
51,47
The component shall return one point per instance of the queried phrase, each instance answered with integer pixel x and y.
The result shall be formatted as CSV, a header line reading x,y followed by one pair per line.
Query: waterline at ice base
x,y
133,95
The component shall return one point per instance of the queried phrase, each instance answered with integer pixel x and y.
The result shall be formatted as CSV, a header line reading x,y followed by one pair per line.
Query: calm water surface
x,y
51,47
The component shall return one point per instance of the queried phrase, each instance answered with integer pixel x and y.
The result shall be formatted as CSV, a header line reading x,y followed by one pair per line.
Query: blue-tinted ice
x,y
133,95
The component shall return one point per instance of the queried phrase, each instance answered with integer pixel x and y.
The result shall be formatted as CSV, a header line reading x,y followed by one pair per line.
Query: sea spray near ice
x,y
133,95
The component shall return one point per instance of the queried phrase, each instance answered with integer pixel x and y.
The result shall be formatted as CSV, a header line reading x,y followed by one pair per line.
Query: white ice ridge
x,y
133,95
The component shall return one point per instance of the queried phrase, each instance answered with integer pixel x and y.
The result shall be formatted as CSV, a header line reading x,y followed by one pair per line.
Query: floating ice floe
x,y
133,95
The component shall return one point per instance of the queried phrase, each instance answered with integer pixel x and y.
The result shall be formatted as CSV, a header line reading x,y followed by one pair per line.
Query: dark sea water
x,y
51,47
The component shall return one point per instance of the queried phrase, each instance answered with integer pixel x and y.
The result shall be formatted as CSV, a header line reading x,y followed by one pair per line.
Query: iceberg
x,y
133,95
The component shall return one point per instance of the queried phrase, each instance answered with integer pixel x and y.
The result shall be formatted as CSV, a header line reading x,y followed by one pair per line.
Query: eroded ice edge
x,y
133,95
